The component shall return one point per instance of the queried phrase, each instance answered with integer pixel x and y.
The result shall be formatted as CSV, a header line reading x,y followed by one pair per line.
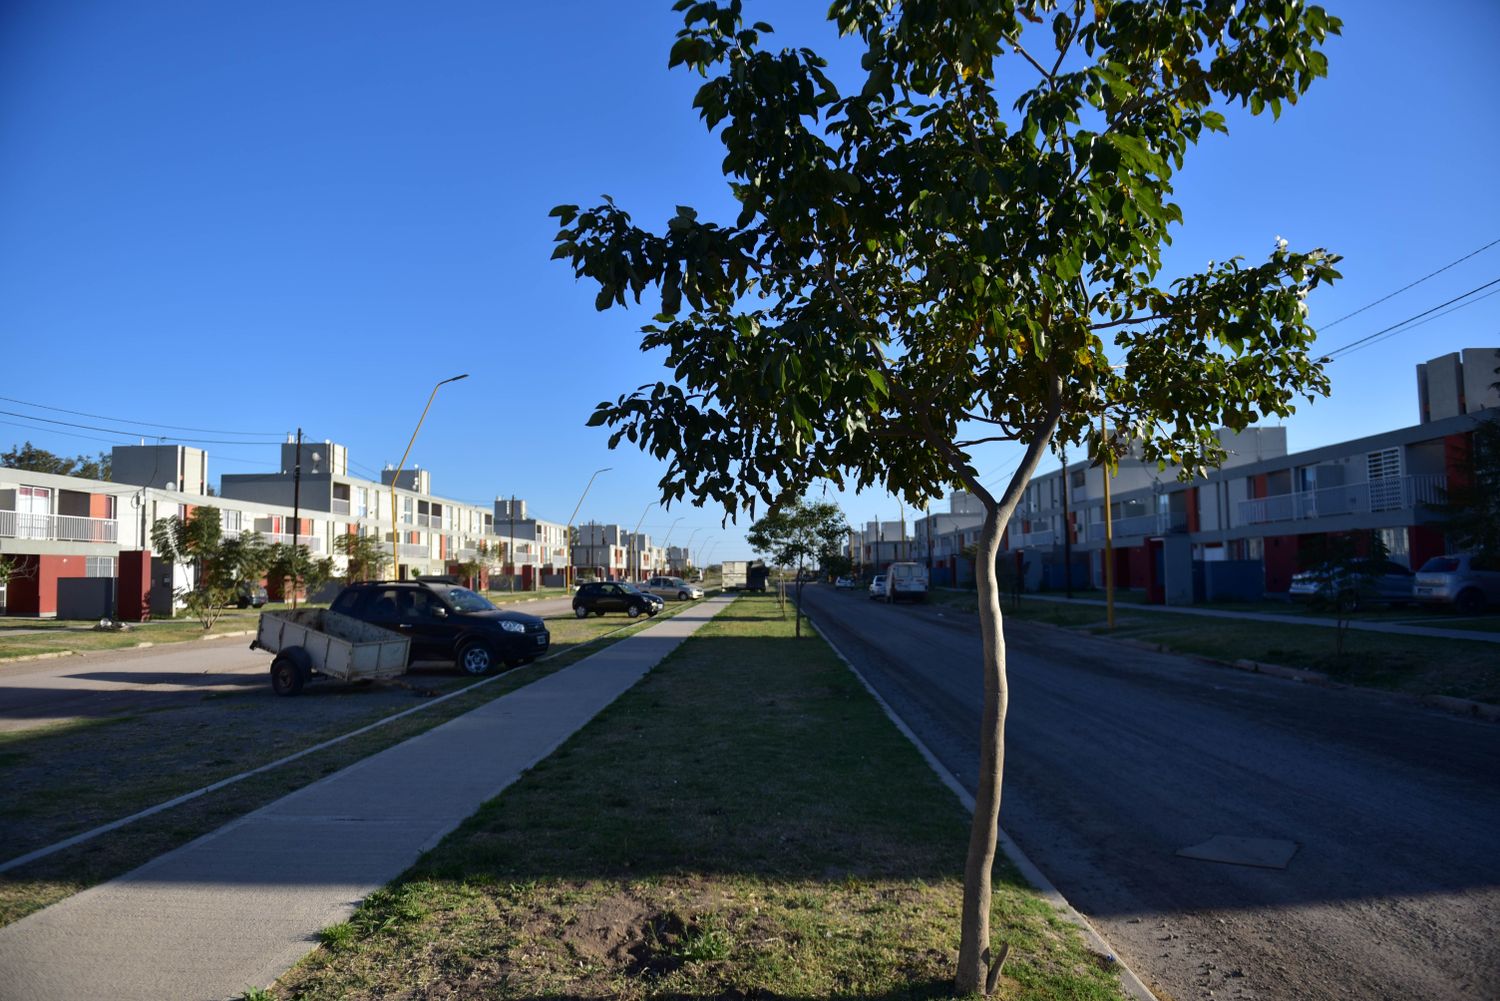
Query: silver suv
x,y
1464,581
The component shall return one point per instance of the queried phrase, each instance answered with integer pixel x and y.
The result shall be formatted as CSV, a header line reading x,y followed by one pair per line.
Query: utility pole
x,y
512,552
296,512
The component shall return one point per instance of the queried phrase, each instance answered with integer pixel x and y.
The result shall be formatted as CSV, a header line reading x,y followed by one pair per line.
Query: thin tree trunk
x,y
974,946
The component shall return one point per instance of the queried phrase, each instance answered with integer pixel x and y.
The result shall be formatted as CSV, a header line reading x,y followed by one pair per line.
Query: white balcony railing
x,y
312,542
337,506
1393,493
57,527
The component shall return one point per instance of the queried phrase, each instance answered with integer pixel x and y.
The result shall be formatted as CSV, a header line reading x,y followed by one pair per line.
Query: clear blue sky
x,y
255,217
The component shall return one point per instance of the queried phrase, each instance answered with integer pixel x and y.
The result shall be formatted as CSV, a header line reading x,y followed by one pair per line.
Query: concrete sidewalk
x,y
236,908
1290,620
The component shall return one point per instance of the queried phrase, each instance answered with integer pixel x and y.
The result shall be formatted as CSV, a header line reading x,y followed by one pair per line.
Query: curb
x,y
1129,980
38,656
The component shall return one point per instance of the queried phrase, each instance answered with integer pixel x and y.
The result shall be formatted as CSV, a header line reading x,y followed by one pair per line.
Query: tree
x,y
1471,507
245,558
797,534
38,460
367,558
296,564
913,273
1346,569
196,543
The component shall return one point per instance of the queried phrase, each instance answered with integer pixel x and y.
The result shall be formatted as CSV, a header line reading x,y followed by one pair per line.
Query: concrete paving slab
x,y
1261,853
237,907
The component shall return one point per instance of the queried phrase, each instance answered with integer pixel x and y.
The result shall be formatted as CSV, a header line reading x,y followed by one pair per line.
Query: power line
x,y
122,420
1438,316
1385,330
1414,284
128,434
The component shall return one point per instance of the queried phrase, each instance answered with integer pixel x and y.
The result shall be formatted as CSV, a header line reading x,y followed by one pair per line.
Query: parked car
x,y
447,622
598,597
906,582
1463,581
844,584
1361,582
877,587
247,595
672,587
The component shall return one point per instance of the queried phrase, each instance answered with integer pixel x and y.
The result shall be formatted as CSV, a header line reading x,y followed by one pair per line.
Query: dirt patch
x,y
609,930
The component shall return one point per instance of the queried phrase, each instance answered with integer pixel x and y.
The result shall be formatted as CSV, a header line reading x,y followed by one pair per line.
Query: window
x,y
231,520
1384,469
1076,478
99,566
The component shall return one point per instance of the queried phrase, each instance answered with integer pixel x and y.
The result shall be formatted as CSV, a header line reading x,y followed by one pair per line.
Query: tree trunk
x,y
973,953
974,960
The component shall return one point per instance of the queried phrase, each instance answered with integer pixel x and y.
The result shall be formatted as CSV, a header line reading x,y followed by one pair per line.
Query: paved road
x,y
40,692
1119,758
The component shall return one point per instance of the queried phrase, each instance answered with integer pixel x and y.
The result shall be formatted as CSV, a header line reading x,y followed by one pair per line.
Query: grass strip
x,y
744,822
65,780
1411,665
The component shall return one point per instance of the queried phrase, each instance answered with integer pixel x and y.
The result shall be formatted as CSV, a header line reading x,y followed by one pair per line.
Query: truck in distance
x,y
906,582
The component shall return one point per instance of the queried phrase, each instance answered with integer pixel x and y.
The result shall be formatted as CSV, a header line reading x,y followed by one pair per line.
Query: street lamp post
x,y
689,549
568,539
635,540
396,476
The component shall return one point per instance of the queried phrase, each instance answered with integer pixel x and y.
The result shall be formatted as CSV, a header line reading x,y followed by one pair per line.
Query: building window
x,y
1385,479
1075,479
99,566
231,521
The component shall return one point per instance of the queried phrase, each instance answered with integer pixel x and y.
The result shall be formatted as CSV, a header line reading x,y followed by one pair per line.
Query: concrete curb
x,y
1128,978
38,656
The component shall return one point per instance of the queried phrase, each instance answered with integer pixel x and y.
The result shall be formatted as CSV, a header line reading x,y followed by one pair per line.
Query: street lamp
x,y
689,548
396,476
568,540
635,542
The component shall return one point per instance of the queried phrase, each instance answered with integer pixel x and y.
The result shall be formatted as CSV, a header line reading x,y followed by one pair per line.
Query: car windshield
x,y
630,588
1440,564
467,601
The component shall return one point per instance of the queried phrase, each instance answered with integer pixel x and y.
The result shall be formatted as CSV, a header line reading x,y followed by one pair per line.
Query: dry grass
x,y
745,822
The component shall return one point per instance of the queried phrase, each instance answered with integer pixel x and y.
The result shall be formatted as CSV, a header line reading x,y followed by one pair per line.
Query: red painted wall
x,y
1281,562
99,505
1425,542
36,592
133,583
1138,566
1458,450
1192,509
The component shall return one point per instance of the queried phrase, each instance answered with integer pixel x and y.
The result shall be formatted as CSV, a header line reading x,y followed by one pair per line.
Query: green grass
x,y
745,822
69,778
1412,665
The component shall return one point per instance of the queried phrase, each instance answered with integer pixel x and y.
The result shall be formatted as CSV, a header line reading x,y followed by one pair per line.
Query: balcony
x,y
1393,493
337,506
57,527
312,542
410,551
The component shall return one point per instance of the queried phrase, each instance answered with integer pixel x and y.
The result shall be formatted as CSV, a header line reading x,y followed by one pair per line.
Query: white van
x,y
906,582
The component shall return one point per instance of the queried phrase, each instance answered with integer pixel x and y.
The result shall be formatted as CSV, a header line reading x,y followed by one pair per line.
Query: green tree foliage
x,y
1471,506
963,248
292,568
197,544
38,460
367,559
799,534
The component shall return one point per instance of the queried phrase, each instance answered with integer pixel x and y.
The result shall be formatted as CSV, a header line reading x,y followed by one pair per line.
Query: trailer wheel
x,y
287,676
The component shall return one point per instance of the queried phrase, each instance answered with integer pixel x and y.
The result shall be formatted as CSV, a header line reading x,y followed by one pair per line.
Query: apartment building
x,y
435,533
1247,527
539,548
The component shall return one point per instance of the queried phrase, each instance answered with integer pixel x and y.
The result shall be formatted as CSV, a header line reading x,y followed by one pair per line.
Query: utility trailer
x,y
309,642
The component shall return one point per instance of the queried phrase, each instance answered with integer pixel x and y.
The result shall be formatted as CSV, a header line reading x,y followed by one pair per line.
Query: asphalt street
x,y
1119,758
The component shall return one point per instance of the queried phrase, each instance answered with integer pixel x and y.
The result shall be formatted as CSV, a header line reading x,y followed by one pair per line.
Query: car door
x,y
614,598
431,625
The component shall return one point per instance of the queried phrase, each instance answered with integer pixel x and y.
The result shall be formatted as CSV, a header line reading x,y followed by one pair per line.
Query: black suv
x,y
447,622
613,596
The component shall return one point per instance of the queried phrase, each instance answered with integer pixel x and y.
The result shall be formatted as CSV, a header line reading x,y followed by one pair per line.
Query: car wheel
x,y
1470,602
633,611
581,612
683,596
286,676
476,658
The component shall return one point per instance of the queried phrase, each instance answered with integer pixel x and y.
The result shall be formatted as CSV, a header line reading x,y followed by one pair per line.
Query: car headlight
x,y
512,627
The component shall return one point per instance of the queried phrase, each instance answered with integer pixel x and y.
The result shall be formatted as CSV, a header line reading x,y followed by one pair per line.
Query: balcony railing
x,y
57,527
410,551
338,506
312,542
1393,493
